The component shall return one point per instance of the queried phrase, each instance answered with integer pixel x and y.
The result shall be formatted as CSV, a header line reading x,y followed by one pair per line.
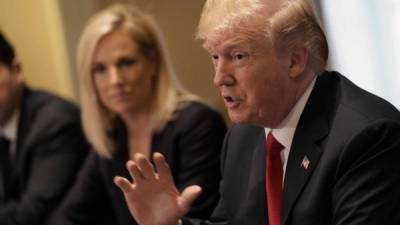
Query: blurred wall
x,y
35,29
178,19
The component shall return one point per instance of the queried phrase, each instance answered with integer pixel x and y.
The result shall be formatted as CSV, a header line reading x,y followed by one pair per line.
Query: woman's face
x,y
123,77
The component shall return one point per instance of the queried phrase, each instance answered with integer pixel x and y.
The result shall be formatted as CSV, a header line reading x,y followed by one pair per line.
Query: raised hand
x,y
152,197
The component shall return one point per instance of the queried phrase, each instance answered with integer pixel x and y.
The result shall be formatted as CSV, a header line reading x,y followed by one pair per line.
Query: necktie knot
x,y
273,145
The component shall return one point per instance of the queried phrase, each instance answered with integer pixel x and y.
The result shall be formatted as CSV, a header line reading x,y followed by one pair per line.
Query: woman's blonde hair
x,y
291,24
169,95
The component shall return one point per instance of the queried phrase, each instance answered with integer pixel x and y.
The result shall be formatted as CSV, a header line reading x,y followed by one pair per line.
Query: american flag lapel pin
x,y
305,163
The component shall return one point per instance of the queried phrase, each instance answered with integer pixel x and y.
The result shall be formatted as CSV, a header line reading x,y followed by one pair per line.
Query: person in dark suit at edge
x,y
133,103
41,146
308,146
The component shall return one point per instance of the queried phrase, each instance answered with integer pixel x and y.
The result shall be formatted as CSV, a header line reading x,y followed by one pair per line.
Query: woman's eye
x,y
99,69
126,62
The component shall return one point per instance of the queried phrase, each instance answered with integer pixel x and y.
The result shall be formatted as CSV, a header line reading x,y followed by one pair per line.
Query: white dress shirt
x,y
9,131
285,130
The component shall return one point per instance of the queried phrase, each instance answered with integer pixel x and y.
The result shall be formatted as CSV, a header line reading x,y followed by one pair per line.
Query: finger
x,y
163,170
145,166
135,172
189,195
123,184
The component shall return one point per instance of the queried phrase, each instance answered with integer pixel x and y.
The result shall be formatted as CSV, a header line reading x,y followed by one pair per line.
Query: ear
x,y
298,61
16,70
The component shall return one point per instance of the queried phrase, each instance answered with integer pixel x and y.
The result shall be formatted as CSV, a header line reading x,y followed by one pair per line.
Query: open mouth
x,y
228,99
231,102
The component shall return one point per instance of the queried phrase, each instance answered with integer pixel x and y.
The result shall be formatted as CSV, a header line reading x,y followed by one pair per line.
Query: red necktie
x,y
273,180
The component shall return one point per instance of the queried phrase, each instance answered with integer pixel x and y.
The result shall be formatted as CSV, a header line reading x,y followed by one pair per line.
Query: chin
x,y
119,110
246,119
238,118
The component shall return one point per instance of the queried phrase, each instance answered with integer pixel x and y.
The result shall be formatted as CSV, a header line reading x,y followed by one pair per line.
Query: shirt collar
x,y
9,130
285,130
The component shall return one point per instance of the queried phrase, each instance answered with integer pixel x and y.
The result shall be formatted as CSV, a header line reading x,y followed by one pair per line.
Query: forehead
x,y
117,42
119,37
226,42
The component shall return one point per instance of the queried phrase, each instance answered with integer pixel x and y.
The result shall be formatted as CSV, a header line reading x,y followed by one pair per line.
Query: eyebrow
x,y
231,44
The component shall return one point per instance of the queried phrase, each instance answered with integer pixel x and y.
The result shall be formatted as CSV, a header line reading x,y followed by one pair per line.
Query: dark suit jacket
x,y
352,140
191,144
50,150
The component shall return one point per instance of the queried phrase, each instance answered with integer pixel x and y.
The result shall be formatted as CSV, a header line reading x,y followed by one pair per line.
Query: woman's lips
x,y
119,96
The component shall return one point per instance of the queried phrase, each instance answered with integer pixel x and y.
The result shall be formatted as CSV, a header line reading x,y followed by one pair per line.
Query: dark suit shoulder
x,y
194,113
44,102
47,109
365,104
45,116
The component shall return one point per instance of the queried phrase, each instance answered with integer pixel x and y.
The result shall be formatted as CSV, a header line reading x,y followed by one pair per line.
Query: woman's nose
x,y
115,76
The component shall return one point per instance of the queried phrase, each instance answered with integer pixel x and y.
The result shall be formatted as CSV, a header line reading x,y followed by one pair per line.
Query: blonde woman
x,y
132,103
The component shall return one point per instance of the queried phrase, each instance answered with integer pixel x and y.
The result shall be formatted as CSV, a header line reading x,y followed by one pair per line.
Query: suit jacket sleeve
x,y
54,158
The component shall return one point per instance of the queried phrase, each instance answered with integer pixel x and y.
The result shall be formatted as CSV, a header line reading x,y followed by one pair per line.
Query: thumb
x,y
189,195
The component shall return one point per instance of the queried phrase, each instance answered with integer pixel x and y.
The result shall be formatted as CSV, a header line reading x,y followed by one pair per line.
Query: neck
x,y
138,123
139,134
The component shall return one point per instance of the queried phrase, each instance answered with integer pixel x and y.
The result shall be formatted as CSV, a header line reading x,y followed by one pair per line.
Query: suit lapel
x,y
256,199
18,163
2,185
305,150
23,140
297,173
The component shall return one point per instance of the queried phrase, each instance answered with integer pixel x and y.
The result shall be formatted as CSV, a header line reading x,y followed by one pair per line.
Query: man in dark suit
x,y
308,146
41,146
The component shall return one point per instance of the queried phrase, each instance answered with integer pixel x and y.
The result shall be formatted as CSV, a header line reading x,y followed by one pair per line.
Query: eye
x,y
126,62
99,69
214,58
239,57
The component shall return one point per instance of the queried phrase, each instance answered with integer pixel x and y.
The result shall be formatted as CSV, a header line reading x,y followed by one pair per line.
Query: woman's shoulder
x,y
193,113
197,109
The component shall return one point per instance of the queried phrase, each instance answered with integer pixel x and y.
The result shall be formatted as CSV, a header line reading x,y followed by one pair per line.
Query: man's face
x,y
254,82
10,82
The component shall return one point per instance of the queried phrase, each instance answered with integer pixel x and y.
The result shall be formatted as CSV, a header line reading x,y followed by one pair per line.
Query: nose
x,y
115,76
223,73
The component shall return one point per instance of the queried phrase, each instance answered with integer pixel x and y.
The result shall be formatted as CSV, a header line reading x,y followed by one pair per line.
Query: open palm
x,y
152,197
